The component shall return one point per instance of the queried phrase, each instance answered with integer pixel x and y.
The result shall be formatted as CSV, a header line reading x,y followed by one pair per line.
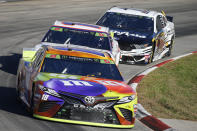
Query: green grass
x,y
171,90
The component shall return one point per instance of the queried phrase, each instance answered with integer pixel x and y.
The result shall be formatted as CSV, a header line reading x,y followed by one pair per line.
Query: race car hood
x,y
132,36
88,86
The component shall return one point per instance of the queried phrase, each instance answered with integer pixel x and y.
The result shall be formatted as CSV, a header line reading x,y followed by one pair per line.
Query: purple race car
x,y
75,85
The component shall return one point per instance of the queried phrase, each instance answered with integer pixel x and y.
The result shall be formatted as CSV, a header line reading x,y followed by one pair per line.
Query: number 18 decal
x,y
45,97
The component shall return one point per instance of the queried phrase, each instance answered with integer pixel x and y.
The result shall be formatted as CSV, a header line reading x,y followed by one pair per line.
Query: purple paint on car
x,y
74,86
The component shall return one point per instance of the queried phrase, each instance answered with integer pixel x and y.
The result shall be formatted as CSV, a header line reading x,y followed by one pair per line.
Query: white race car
x,y
143,36
78,35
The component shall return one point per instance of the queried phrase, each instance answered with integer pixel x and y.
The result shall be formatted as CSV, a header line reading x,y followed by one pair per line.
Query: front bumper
x,y
136,55
120,117
82,122
70,110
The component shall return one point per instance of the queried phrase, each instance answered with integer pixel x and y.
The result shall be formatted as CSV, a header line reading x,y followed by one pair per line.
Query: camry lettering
x,y
75,83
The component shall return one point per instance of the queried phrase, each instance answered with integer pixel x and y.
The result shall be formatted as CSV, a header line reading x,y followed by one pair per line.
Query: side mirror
x,y
169,18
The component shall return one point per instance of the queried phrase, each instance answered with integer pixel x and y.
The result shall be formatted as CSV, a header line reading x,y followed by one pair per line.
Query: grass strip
x,y
171,90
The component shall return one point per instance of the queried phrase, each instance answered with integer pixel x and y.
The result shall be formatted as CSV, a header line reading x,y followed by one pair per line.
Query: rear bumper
x,y
82,122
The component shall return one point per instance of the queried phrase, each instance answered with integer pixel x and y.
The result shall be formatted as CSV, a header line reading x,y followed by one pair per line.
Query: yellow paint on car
x,y
83,122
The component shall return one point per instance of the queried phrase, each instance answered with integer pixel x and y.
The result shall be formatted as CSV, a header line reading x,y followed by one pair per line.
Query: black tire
x,y
124,59
152,54
18,90
32,100
170,48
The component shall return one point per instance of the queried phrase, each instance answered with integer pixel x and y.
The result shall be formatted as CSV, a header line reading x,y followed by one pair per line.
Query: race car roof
x,y
76,25
133,11
79,52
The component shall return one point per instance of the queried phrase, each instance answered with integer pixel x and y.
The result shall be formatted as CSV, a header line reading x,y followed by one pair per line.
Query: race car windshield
x,y
81,66
127,22
90,39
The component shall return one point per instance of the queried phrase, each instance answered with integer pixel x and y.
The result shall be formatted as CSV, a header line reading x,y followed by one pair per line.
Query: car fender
x,y
170,31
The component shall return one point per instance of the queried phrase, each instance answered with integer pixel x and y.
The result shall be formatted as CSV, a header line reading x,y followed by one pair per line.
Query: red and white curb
x,y
142,115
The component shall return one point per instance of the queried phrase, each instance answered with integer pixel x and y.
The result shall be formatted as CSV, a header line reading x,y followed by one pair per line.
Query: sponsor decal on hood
x,y
47,76
133,36
83,85
76,86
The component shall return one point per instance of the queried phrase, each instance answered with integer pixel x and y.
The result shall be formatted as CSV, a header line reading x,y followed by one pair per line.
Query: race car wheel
x,y
32,100
124,59
170,48
152,54
18,93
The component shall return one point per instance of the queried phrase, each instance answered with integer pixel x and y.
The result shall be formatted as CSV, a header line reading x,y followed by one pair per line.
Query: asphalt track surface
x,y
23,24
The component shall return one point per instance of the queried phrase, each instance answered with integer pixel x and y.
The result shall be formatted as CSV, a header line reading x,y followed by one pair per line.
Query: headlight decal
x,y
49,91
126,99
